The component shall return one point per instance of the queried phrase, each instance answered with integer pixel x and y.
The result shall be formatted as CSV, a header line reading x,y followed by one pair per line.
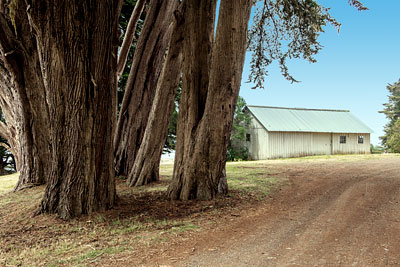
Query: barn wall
x,y
269,145
258,144
352,145
298,144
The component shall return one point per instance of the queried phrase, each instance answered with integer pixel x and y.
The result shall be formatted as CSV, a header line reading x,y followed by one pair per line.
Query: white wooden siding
x,y
298,144
258,144
269,145
352,146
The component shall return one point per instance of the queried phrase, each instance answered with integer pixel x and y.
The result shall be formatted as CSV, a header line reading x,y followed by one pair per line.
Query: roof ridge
x,y
311,109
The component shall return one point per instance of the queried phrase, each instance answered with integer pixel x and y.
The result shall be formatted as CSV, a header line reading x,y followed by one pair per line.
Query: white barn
x,y
277,132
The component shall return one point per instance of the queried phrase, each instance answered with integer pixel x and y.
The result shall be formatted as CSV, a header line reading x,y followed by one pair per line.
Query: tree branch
x,y
6,146
6,94
358,5
129,36
9,50
4,131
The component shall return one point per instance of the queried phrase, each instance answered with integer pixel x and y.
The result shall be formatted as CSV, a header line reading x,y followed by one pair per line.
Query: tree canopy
x,y
391,139
287,29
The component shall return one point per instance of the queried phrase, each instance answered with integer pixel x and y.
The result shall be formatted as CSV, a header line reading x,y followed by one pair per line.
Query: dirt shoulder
x,y
329,214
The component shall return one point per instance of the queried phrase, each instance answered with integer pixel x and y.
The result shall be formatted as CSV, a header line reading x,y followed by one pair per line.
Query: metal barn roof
x,y
278,119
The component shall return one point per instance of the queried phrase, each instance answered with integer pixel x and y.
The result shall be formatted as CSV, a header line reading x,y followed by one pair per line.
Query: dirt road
x,y
329,214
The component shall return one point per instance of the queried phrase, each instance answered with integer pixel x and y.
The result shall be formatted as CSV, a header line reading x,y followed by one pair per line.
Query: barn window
x,y
343,139
248,137
361,139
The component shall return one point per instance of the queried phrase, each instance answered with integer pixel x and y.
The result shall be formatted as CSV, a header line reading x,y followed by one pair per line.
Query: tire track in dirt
x,y
345,232
335,214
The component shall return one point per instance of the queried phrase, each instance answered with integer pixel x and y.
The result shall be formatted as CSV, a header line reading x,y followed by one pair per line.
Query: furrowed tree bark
x,y
146,166
7,131
199,35
77,43
23,98
129,36
199,166
142,82
2,6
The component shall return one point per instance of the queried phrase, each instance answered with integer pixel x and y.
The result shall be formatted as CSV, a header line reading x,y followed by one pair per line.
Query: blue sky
x,y
352,70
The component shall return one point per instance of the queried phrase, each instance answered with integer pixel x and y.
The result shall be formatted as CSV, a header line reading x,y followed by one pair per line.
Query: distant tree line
x,y
237,149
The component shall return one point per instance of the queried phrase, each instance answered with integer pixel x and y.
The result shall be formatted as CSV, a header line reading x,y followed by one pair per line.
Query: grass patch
x,y
93,254
339,158
252,178
245,176
7,182
185,227
166,169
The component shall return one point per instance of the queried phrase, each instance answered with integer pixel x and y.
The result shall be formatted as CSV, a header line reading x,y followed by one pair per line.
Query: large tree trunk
x,y
201,148
146,166
141,85
199,35
77,44
23,98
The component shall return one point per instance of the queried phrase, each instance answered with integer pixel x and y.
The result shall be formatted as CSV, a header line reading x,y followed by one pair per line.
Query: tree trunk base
x,y
143,178
223,184
20,187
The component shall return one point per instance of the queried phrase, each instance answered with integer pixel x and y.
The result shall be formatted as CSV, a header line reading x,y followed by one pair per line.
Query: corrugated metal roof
x,y
278,119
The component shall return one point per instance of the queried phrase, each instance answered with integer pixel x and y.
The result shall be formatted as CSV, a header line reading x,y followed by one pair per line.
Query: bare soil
x,y
329,214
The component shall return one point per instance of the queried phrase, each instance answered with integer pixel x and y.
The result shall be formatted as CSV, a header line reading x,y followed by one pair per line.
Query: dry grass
x,y
7,183
143,220
338,158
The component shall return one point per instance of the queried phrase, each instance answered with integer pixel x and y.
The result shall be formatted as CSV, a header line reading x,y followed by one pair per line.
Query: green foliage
x,y
285,29
241,121
237,153
393,140
392,113
376,149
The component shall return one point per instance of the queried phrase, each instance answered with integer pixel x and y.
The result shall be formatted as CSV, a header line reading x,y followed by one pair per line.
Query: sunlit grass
x,y
339,158
254,178
7,182
166,169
